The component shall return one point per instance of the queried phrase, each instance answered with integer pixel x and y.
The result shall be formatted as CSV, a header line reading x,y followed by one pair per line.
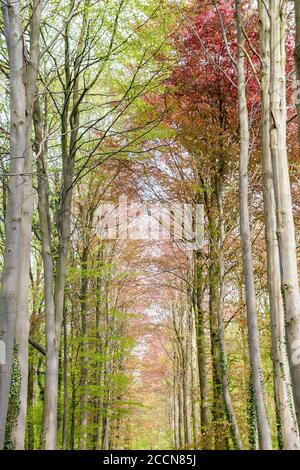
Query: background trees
x,y
164,103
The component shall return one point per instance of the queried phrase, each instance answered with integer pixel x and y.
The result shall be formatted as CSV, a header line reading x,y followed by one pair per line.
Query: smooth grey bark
x,y
175,409
285,406
30,428
181,414
84,345
13,31
187,378
195,387
200,338
65,383
69,133
230,413
107,395
55,287
22,320
245,231
106,408
50,418
282,191
99,368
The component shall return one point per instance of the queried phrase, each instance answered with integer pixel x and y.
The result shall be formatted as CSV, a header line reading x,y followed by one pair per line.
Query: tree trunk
x,y
288,429
98,363
30,430
84,356
214,301
195,386
66,389
175,410
282,190
234,429
22,321
253,334
186,380
181,413
51,380
13,30
200,327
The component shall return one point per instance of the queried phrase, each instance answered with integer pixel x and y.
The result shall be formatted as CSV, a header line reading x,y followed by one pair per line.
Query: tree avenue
x,y
149,225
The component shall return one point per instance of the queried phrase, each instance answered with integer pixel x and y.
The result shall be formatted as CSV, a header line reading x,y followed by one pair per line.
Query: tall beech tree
x,y
282,190
282,377
14,311
254,346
